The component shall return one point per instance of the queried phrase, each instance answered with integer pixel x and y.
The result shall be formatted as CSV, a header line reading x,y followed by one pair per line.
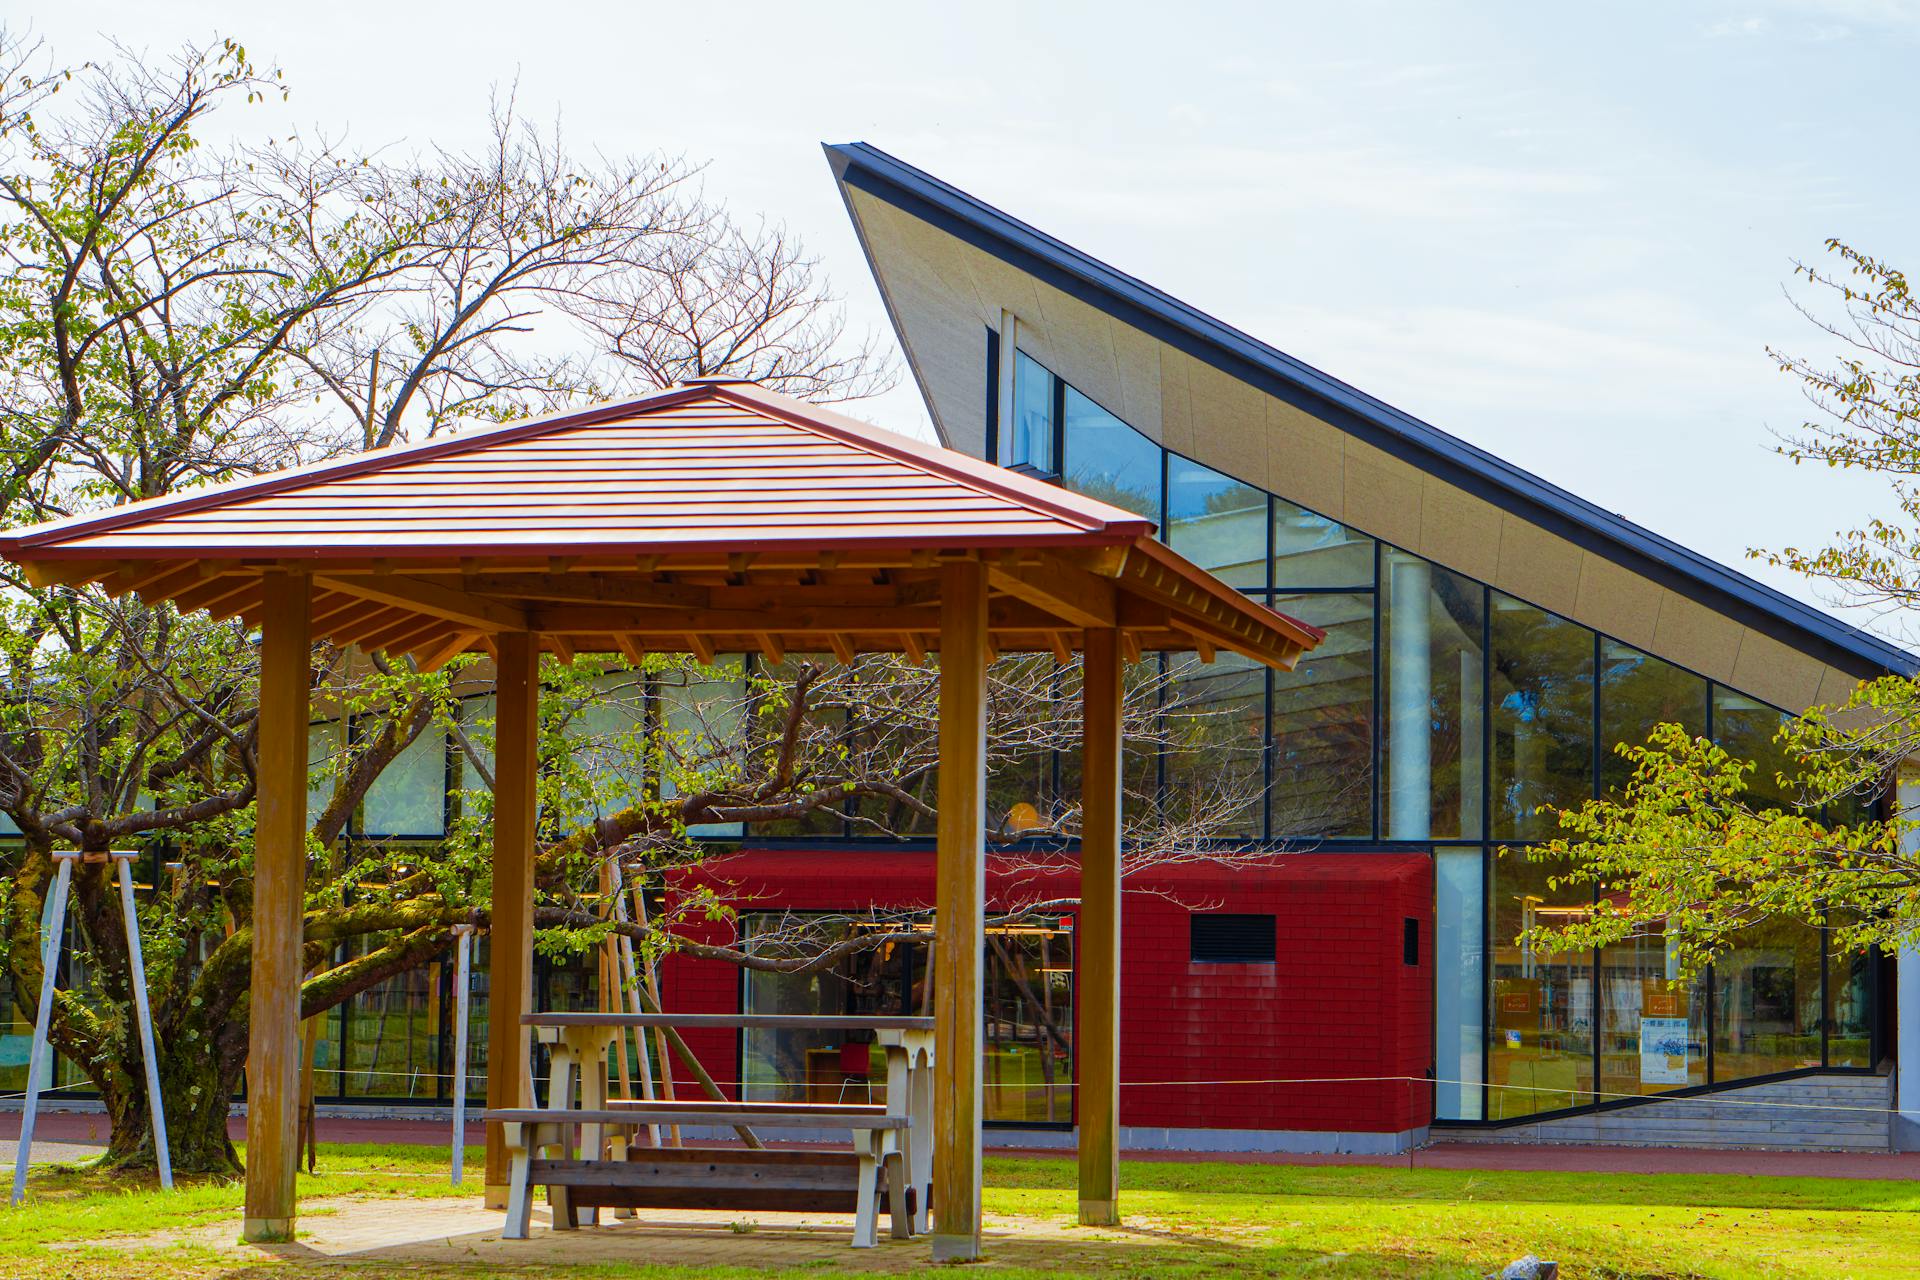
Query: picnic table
x,y
891,1142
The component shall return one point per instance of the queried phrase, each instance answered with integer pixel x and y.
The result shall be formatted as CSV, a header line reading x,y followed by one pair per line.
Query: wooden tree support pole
x,y
279,903
960,912
1098,935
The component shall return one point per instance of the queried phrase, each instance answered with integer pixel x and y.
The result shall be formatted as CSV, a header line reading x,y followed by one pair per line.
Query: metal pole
x,y
161,1151
464,934
36,1067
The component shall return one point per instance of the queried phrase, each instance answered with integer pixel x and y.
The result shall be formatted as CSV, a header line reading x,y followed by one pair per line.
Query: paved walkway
x,y
79,1134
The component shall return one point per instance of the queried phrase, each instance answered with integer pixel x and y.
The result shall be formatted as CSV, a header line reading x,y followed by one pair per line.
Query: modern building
x,y
1349,979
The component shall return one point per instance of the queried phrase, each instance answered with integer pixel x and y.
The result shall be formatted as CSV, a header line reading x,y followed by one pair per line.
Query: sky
x,y
1565,234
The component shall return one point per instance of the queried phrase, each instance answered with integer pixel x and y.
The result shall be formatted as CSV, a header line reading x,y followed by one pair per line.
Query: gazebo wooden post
x,y
1097,937
279,901
960,911
510,948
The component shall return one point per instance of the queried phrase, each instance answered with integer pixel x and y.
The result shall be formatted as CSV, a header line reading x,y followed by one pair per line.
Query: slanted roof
x,y
1140,305
715,515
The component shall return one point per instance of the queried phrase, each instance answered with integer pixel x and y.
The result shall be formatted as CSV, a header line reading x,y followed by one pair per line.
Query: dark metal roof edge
x,y
1240,355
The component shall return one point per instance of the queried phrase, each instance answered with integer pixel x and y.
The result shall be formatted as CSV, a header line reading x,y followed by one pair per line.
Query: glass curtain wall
x,y
1476,711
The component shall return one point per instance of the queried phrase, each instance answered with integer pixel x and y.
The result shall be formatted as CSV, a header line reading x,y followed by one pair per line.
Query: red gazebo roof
x,y
716,498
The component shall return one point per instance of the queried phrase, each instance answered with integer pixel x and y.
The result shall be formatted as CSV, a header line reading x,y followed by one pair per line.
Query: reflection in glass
x,y
1431,687
1653,1033
701,711
1542,718
325,739
1028,1012
1216,726
1637,692
1217,522
1745,729
1310,550
1027,441
1541,1058
1766,1001
1323,723
1109,460
1850,997
409,798
1459,954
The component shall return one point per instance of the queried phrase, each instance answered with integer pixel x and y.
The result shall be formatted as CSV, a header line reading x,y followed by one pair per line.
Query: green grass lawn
x,y
1200,1221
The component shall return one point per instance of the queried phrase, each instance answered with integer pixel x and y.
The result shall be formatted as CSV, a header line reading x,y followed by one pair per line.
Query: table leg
x,y
560,1077
920,1080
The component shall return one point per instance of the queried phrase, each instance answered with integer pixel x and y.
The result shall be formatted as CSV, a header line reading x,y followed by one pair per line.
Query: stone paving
x,y
415,1233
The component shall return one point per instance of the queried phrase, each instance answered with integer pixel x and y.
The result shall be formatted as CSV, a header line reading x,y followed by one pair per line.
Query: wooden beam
x,y
817,620
770,646
1130,647
1072,595
914,647
960,907
700,647
586,588
437,656
1097,936
561,649
1061,653
631,650
476,613
842,648
279,902
65,573
510,953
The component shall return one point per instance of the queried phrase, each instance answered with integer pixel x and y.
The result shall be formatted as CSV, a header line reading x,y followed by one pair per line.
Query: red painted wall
x,y
1339,1012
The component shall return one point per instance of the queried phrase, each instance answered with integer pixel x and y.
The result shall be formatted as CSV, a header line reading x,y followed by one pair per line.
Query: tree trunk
x,y
200,1074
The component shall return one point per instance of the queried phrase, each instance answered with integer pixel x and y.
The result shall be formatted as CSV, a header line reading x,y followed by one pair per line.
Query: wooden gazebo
x,y
713,516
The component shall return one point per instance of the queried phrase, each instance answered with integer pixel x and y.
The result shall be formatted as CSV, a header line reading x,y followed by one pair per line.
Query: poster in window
x,y
1663,1051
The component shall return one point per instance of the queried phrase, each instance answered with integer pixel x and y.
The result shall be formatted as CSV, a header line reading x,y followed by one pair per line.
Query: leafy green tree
x,y
1700,844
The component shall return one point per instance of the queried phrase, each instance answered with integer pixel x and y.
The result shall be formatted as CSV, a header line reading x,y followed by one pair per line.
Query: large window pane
x,y
1217,522
1027,441
393,1035
1850,996
1653,1034
1637,692
1109,460
1459,953
1310,550
1029,1032
1745,727
701,710
1434,706
409,798
606,736
1766,1001
1541,1058
324,742
1323,723
1216,727
1542,718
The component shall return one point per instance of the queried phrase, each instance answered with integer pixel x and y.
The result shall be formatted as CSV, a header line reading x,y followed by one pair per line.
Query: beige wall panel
x,y
1695,636
1617,601
1229,424
998,286
1836,686
1539,567
1306,460
1080,340
1772,671
924,274
1138,358
1382,495
1176,405
1458,530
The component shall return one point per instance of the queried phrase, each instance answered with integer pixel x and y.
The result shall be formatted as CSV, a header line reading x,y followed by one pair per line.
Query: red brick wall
x,y
1339,1007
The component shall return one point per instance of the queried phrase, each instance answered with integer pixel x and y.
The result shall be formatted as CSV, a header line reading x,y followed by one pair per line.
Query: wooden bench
x,y
708,1178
